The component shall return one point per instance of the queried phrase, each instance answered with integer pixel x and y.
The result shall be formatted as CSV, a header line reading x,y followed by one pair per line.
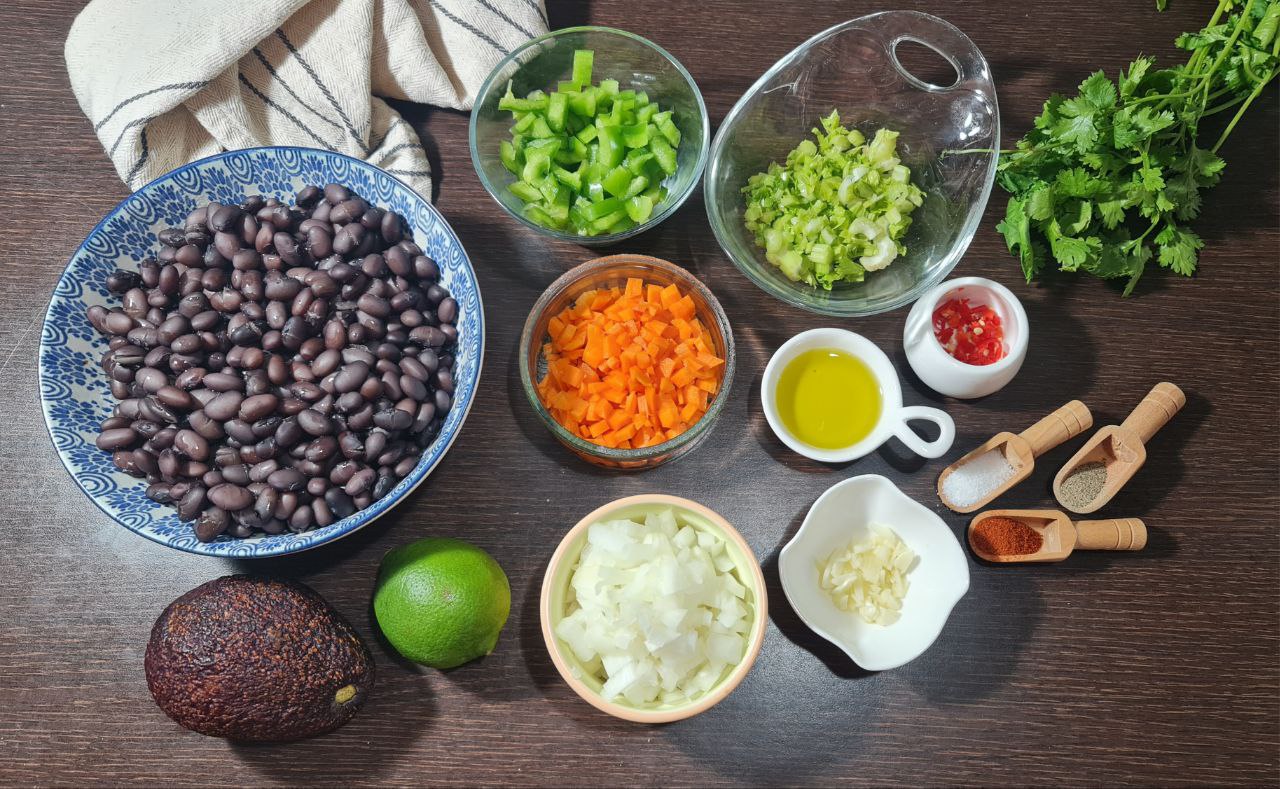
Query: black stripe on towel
x,y
285,113
142,158
498,12
462,23
144,94
537,6
323,89
276,76
111,152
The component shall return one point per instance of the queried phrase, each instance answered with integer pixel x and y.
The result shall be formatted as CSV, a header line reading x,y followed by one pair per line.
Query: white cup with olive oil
x,y
833,396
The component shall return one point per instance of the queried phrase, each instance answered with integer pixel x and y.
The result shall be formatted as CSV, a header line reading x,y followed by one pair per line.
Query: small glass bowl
x,y
610,271
854,67
637,64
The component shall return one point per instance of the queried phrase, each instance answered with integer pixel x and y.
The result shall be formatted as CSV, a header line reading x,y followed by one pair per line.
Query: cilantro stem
x,y
1257,91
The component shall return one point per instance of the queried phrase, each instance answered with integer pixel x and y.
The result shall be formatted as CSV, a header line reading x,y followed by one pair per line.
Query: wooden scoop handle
x,y
1157,408
1114,534
1064,424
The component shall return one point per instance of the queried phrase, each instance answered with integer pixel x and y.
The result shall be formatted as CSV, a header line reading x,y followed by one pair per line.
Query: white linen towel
x,y
168,82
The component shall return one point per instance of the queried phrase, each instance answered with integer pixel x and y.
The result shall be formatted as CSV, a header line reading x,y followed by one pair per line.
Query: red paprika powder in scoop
x,y
1005,537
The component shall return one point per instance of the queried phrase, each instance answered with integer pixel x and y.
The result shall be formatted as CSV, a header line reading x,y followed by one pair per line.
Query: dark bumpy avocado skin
x,y
257,660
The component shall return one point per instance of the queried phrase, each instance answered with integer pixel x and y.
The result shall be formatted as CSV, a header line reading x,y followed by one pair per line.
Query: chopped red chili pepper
x,y
972,335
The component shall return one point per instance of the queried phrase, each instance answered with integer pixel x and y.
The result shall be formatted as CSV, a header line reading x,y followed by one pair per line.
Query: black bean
x,y
256,407
315,423
340,504
191,444
174,397
118,438
383,486
212,523
224,406
360,482
395,419
191,503
230,497
287,479
321,449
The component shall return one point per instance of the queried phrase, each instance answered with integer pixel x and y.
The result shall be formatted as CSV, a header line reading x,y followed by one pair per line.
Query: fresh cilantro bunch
x,y
1107,180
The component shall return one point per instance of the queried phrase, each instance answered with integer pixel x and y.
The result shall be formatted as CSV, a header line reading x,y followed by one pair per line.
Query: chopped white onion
x,y
656,611
869,578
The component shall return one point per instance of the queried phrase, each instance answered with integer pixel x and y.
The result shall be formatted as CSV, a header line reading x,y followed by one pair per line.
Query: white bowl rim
x,y
928,515
351,523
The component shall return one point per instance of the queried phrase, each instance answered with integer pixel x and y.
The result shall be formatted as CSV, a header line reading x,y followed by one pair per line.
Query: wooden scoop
x,y
1121,448
1021,449
1061,536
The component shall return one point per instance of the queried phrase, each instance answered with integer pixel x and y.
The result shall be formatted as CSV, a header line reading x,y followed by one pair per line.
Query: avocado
x,y
257,660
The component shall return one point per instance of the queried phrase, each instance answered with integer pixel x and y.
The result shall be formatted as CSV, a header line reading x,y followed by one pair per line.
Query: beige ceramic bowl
x,y
555,588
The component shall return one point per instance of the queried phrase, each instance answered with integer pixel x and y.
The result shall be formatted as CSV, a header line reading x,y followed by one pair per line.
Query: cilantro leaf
x,y
1178,249
1039,204
1112,212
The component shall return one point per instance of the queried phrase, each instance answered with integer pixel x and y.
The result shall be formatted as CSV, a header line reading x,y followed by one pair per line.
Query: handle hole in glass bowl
x,y
923,65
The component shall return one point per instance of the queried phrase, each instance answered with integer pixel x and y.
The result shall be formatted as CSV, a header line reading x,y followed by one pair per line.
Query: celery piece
x,y
571,179
536,165
526,192
559,104
567,87
608,222
637,185
635,136
540,217
541,130
583,59
522,125
612,148
603,208
645,114
669,131
665,154
609,87
583,102
587,134
510,157
617,181
639,208
637,159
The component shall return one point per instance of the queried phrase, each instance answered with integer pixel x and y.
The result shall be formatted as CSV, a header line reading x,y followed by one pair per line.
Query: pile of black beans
x,y
279,367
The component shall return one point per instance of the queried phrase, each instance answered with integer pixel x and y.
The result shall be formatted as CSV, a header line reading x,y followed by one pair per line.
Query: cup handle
x,y
927,449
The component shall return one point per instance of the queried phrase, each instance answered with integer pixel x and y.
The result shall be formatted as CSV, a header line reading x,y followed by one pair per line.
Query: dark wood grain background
x,y
1154,668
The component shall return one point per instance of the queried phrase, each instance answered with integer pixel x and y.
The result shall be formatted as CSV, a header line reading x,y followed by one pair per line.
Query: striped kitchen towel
x,y
168,82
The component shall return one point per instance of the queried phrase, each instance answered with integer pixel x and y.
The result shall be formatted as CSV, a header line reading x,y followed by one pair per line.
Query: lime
x,y
441,602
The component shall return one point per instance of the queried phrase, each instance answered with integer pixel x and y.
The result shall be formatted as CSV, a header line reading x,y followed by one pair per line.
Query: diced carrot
x,y
629,366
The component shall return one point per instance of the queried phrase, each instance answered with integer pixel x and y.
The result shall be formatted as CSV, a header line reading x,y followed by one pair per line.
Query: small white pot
x,y
941,371
893,414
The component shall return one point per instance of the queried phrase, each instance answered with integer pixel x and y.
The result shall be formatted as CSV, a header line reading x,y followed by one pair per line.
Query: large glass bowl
x,y
607,272
637,64
854,67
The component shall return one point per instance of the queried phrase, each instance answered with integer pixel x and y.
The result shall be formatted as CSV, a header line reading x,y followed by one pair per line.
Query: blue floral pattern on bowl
x,y
73,389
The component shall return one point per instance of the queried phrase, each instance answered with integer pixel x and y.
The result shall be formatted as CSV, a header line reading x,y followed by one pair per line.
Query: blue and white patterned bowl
x,y
73,388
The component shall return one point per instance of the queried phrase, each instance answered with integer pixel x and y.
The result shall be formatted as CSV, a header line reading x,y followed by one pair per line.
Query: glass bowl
x,y
853,67
603,273
637,64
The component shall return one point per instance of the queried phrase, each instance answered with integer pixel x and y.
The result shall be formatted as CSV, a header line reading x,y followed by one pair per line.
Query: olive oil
x,y
829,399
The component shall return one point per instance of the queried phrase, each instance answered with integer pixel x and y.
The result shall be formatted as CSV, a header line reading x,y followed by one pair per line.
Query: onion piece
x,y
657,612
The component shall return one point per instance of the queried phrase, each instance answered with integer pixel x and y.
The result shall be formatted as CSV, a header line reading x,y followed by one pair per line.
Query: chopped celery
x,y
510,157
582,62
591,159
639,208
836,209
617,181
559,104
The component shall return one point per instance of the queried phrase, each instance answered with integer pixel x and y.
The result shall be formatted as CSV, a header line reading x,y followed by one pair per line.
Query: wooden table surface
x,y
1154,668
